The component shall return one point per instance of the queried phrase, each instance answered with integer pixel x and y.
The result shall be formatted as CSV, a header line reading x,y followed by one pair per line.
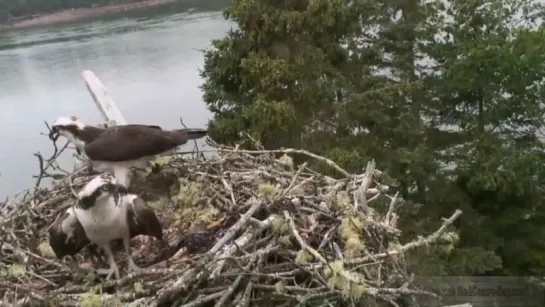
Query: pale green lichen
x,y
303,257
91,276
91,300
308,221
343,199
138,287
448,240
113,302
164,160
333,267
350,231
267,191
354,291
298,191
45,250
450,237
337,281
192,216
279,226
280,287
343,203
285,241
350,227
335,272
353,247
287,161
189,193
329,181
161,161
16,270
190,210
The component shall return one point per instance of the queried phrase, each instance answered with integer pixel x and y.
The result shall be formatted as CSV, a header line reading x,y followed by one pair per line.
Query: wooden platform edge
x,y
104,102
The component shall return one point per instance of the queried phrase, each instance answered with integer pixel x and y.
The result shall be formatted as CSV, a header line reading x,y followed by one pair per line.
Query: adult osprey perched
x,y
117,149
105,212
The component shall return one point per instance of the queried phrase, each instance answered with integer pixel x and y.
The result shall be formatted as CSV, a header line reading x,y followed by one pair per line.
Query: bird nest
x,y
245,228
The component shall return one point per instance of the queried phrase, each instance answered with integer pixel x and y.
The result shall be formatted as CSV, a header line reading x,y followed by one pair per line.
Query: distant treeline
x,y
22,8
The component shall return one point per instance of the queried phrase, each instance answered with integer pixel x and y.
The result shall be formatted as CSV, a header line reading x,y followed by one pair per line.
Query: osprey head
x,y
99,189
67,127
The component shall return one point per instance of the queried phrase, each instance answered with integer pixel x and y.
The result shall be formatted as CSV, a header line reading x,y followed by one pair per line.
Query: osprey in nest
x,y
105,212
116,149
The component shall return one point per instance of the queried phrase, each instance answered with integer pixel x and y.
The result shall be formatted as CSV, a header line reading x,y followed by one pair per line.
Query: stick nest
x,y
245,228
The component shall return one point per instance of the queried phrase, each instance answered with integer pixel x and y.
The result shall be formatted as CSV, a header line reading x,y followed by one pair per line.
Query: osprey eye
x,y
105,187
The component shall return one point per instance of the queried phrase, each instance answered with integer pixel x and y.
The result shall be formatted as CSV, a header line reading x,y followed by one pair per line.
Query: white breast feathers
x,y
104,221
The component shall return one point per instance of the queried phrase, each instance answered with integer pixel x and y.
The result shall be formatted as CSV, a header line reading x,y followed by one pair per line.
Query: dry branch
x,y
244,229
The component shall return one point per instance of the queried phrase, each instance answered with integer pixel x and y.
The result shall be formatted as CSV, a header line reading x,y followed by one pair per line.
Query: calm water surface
x,y
149,65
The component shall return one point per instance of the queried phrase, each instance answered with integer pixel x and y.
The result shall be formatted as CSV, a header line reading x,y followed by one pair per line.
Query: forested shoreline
x,y
12,10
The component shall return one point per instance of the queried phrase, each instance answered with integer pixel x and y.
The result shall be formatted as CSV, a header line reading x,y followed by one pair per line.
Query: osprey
x,y
116,149
105,212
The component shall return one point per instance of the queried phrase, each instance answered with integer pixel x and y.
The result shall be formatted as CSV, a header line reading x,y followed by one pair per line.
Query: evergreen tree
x,y
445,96
491,60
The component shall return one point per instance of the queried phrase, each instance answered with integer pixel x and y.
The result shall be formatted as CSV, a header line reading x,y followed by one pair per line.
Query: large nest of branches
x,y
245,228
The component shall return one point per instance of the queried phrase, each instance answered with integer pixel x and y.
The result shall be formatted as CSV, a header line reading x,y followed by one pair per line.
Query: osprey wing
x,y
131,142
66,235
142,219
149,126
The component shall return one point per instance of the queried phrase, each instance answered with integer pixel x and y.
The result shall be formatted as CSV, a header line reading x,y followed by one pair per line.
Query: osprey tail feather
x,y
193,134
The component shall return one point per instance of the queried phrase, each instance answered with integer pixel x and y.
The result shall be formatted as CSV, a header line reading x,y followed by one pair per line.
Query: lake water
x,y
148,63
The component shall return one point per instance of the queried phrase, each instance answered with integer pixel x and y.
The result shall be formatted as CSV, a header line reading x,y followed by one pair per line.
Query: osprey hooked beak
x,y
118,191
54,133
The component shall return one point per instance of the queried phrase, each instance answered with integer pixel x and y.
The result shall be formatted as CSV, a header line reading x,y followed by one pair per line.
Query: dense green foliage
x,y
446,97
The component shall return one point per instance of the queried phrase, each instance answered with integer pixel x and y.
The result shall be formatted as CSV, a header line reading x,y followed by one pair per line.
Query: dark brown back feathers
x,y
90,133
130,142
67,244
142,219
